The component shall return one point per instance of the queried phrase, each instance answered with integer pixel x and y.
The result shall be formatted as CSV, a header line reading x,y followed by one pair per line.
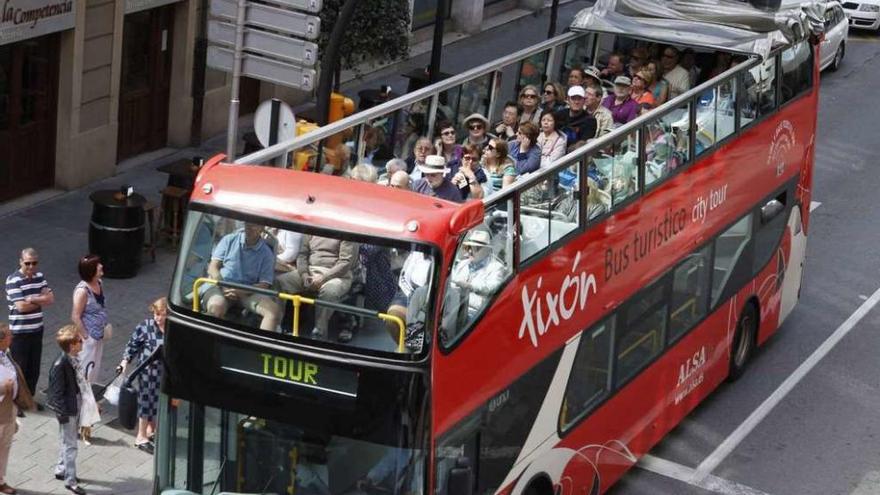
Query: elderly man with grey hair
x,y
392,167
364,172
400,180
421,150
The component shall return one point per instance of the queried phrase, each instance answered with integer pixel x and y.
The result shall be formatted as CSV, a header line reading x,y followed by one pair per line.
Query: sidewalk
x,y
56,224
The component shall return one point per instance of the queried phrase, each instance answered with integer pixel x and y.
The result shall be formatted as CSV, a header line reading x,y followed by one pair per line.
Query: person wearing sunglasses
x,y
499,166
554,98
468,174
479,274
528,101
27,292
476,125
445,144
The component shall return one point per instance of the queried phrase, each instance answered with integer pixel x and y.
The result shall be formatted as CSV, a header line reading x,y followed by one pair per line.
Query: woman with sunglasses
x,y
499,166
476,125
467,174
554,98
528,101
445,143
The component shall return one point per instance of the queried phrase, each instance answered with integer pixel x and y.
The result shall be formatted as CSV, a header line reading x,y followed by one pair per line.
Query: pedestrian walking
x,y
65,399
89,314
27,293
145,339
14,394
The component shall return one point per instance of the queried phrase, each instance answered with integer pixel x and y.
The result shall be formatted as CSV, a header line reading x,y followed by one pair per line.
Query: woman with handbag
x,y
89,315
145,339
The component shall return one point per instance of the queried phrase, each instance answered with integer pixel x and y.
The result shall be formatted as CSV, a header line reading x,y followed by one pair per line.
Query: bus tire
x,y
539,486
744,339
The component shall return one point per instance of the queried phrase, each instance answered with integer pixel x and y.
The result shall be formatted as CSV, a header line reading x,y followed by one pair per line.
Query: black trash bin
x,y
116,233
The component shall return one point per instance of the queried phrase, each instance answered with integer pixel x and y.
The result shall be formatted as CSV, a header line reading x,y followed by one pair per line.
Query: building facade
x,y
86,84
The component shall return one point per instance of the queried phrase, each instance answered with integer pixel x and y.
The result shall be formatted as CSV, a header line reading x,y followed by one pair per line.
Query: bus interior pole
x,y
231,132
437,47
330,59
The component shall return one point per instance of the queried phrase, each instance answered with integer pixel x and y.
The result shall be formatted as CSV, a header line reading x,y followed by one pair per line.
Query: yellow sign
x,y
286,368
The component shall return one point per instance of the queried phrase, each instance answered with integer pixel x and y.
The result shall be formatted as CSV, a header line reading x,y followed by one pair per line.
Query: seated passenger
x,y
243,257
506,129
524,149
423,148
593,106
622,107
480,273
364,173
499,167
678,77
468,174
434,181
287,249
324,270
414,275
550,140
577,125
476,126
400,180
639,92
391,168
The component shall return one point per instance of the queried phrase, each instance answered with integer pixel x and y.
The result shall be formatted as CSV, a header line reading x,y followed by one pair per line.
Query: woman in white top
x,y
550,141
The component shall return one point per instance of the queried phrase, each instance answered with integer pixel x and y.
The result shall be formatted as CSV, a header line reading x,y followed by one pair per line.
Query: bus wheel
x,y
743,342
540,486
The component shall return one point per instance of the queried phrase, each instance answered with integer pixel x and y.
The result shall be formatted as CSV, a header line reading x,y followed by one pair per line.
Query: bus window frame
x,y
300,342
804,92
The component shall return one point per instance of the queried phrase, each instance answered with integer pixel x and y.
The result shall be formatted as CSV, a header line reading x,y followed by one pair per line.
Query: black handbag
x,y
127,406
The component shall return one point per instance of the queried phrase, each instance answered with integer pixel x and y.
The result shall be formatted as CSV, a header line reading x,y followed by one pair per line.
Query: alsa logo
x,y
542,310
783,142
691,366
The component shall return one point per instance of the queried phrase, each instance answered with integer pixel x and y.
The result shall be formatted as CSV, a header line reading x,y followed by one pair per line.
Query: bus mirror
x,y
461,478
770,210
466,217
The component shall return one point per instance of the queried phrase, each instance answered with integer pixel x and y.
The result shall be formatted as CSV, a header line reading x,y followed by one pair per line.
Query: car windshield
x,y
327,289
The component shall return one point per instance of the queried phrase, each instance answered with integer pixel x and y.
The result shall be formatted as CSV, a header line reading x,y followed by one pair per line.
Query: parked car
x,y
863,14
833,47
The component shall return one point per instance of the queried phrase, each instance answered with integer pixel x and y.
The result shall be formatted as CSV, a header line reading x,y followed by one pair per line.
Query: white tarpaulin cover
x,y
720,24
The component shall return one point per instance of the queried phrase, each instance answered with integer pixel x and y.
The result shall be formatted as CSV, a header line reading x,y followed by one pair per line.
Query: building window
x,y
425,11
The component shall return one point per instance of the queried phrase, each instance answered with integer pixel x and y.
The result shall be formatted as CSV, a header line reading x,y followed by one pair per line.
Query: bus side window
x,y
715,115
690,290
797,70
666,144
640,336
590,379
548,211
730,246
482,263
759,85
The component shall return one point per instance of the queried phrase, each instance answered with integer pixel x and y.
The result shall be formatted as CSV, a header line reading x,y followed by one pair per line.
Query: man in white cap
x,y
434,181
476,125
480,273
576,123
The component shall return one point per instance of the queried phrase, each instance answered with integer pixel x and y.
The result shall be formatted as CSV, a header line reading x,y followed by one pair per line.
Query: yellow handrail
x,y
297,301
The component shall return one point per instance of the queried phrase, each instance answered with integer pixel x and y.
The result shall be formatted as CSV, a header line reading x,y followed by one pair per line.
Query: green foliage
x,y
379,30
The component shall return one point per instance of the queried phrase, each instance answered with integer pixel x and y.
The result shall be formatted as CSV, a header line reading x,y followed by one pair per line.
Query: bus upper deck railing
x,y
297,301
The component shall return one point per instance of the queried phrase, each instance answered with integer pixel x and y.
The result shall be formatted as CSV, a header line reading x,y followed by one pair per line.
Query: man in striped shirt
x,y
27,293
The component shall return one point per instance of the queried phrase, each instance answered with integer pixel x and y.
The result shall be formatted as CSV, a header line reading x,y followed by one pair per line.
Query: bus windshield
x,y
262,276
209,450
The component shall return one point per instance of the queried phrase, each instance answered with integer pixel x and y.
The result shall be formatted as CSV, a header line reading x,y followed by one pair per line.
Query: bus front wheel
x,y
744,339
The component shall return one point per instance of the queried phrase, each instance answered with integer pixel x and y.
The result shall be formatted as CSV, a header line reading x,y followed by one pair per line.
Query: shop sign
x,y
24,19
132,6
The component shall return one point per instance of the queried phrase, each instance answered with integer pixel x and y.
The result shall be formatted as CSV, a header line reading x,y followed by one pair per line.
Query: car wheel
x,y
838,57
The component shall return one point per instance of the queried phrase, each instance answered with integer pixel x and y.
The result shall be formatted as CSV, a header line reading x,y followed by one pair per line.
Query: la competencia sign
x,y
23,19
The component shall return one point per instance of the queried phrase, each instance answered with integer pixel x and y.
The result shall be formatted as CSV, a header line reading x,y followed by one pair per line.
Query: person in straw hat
x,y
434,181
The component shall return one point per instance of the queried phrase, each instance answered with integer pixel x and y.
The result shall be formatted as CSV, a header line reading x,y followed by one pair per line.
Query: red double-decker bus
x,y
536,341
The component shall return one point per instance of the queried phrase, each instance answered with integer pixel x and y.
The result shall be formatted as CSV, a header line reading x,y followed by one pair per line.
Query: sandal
x,y
75,489
145,446
4,488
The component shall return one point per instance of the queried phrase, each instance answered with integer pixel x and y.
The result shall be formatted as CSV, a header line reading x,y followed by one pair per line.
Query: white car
x,y
833,47
863,14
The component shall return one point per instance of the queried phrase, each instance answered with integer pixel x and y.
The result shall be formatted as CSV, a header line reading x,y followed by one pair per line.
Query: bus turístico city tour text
x,y
537,340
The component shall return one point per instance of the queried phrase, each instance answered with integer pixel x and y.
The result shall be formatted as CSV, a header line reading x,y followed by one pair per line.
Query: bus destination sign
x,y
289,369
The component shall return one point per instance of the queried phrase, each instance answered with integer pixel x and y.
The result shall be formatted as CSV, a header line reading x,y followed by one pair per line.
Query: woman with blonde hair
x,y
146,338
528,101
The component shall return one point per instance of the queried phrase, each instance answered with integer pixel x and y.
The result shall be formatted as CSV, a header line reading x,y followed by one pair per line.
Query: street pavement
x,y
57,225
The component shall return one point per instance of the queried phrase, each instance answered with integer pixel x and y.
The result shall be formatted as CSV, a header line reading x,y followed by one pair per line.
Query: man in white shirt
x,y
678,77
480,273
